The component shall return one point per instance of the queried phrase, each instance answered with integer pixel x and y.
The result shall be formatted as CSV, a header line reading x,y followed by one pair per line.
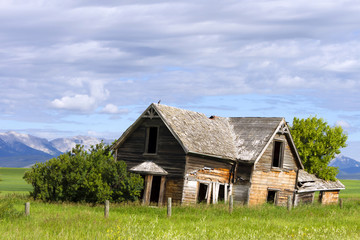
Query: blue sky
x,y
91,67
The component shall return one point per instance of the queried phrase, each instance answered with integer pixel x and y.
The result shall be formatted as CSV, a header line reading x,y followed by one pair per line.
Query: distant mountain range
x,y
348,168
23,150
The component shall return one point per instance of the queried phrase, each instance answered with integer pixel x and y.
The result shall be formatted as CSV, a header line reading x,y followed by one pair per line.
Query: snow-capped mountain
x,y
345,162
348,168
37,143
66,144
22,150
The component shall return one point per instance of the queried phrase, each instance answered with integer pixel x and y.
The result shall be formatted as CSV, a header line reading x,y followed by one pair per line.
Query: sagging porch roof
x,y
310,183
149,168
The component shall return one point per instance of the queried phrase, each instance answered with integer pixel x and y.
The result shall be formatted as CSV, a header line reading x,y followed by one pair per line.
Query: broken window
x,y
151,139
221,196
271,197
277,154
202,194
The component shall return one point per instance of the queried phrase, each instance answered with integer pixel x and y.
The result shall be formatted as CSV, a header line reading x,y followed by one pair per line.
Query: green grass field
x,y
12,181
84,221
352,189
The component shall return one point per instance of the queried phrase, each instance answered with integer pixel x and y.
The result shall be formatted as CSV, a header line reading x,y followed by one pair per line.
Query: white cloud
x,y
56,51
77,102
83,102
343,124
113,109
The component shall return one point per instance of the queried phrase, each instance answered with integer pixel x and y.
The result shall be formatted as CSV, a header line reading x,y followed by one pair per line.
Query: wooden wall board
x,y
170,155
330,197
262,181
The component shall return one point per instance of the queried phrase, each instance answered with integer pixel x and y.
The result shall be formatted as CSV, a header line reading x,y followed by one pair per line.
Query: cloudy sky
x,y
91,67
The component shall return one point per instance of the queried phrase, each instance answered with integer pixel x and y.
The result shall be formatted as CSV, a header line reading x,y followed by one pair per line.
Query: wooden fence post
x,y
289,203
341,203
169,207
231,204
27,208
107,208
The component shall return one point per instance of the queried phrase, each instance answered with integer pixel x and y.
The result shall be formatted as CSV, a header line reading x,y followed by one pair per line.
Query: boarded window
x,y
202,192
271,198
277,154
151,140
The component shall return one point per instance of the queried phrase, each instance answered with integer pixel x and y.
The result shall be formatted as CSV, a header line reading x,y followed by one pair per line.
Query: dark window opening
x,y
152,137
155,189
271,198
277,155
221,196
202,192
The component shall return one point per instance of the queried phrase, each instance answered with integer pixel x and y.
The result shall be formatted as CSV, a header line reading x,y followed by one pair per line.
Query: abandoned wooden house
x,y
193,158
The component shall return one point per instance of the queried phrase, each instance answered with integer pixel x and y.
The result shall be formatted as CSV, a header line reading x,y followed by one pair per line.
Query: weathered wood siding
x,y
261,182
202,170
173,189
265,177
242,183
304,198
289,162
330,197
170,155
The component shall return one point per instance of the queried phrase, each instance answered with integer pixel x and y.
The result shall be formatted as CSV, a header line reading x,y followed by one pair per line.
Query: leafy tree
x,y
318,143
84,176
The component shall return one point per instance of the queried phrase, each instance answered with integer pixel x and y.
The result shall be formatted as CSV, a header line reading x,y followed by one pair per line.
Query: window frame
x,y
281,154
147,140
276,196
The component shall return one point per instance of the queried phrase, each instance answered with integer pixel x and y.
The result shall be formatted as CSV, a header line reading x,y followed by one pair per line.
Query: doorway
x,y
155,189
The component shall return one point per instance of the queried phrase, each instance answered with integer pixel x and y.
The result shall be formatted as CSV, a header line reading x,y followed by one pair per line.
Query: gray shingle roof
x,y
252,134
233,138
198,133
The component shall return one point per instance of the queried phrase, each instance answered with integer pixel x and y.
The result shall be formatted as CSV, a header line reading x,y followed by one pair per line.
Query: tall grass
x,y
83,221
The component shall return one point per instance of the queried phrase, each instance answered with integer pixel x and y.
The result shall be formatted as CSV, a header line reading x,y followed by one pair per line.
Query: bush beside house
x,y
84,176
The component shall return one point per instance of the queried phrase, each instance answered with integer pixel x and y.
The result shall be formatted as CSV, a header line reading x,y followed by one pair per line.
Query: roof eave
x,y
269,141
212,156
154,105
138,120
322,189
129,130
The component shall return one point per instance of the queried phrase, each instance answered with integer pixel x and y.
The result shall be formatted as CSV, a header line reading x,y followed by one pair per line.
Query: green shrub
x,y
84,176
